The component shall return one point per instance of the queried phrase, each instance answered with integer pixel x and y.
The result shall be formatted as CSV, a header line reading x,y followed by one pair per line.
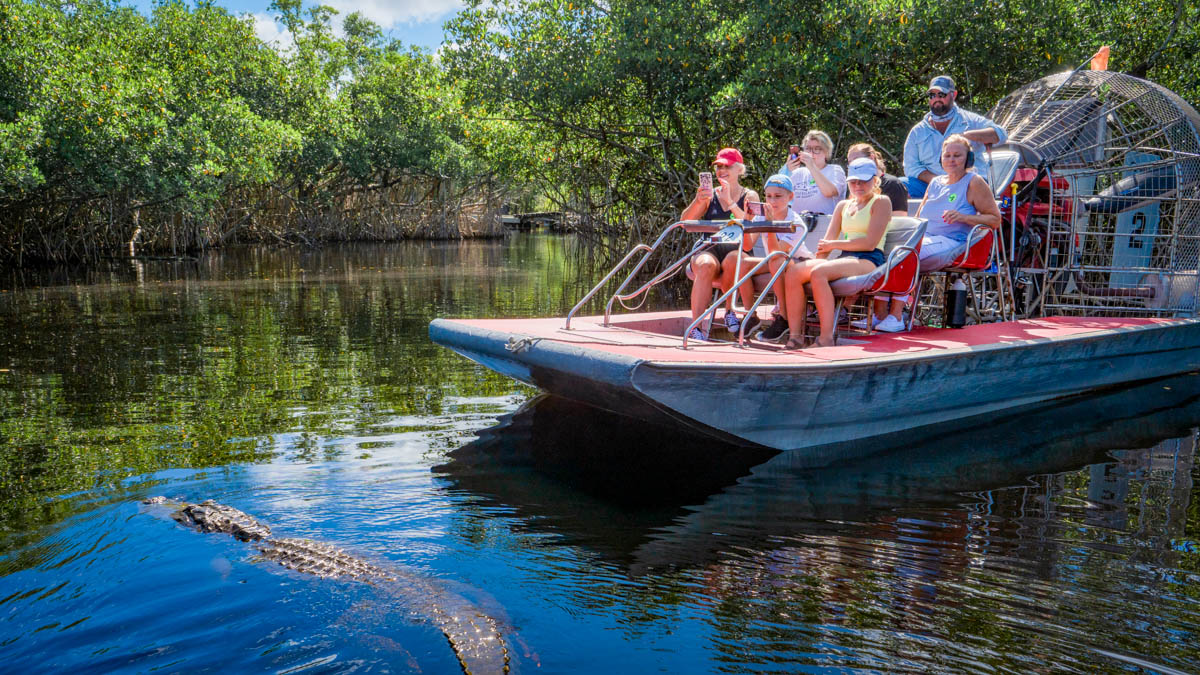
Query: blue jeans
x,y
916,187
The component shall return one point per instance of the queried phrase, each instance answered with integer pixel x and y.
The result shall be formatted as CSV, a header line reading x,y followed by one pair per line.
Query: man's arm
x,y
982,130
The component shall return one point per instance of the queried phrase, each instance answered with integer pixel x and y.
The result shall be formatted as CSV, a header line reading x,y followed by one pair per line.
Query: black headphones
x,y
970,158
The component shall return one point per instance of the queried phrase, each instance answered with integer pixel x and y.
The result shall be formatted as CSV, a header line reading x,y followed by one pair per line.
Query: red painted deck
x,y
656,337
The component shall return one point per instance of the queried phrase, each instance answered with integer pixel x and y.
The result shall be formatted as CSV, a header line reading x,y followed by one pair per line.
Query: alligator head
x,y
209,516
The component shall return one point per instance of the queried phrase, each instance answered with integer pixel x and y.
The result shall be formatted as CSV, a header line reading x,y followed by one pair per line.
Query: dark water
x,y
300,387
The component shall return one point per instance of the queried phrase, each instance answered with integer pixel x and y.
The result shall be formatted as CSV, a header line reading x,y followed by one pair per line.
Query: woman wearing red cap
x,y
723,202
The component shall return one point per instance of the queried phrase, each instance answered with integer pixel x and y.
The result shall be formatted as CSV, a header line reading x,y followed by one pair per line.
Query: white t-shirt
x,y
788,239
807,196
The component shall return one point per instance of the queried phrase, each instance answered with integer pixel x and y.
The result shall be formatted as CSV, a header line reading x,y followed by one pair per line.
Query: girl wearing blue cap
x,y
856,230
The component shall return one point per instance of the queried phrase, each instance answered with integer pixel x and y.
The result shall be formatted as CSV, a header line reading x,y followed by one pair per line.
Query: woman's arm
x,y
881,213
980,196
698,206
833,232
827,187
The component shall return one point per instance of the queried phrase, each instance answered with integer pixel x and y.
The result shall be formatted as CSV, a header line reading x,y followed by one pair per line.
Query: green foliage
x,y
635,97
113,124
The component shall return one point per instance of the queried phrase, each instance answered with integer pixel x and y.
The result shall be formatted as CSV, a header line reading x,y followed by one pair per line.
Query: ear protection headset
x,y
970,158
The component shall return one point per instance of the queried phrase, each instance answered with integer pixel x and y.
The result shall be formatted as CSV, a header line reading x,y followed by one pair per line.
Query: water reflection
x,y
1041,527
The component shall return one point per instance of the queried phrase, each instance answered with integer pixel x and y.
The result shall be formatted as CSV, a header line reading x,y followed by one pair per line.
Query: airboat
x,y
1090,283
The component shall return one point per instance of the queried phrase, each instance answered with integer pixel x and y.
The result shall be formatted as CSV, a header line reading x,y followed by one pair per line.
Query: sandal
x,y
817,344
793,344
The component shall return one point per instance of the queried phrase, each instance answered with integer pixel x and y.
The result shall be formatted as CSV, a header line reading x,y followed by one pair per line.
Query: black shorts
x,y
719,251
874,255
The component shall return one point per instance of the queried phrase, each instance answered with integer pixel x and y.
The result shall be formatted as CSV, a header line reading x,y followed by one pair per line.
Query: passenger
x,y
897,192
778,195
817,187
955,202
726,200
922,148
856,230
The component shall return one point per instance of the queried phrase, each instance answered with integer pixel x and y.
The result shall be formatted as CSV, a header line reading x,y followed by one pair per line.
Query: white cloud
x,y
270,31
391,13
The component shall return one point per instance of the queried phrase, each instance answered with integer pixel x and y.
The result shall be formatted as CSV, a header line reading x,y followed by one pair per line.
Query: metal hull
x,y
789,407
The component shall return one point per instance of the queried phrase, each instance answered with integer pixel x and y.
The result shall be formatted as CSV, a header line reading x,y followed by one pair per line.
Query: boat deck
x,y
656,337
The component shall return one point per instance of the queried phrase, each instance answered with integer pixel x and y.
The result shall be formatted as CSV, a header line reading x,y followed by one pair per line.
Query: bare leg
x,y
706,268
795,277
729,272
823,294
780,285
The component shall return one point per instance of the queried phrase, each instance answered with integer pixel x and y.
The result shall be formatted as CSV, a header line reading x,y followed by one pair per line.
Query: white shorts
x,y
934,244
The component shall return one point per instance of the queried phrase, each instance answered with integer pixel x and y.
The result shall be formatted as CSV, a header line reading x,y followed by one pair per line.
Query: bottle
x,y
956,304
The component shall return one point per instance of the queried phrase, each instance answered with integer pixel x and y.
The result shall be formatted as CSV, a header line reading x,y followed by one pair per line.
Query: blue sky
x,y
413,22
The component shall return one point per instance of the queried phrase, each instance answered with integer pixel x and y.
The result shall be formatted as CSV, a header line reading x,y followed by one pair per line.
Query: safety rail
x,y
739,279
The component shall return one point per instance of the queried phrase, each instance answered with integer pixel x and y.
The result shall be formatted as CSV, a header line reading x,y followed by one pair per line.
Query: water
x,y
300,387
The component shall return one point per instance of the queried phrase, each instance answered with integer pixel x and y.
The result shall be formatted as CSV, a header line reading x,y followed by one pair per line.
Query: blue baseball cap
x,y
863,168
943,83
780,181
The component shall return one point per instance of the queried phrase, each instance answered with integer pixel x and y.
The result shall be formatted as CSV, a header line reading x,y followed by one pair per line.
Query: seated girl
x,y
856,231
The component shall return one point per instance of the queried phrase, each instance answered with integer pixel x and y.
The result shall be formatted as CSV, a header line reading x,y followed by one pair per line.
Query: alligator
x,y
474,636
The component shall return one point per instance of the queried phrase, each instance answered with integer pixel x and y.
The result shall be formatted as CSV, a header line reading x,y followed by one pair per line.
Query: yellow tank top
x,y
857,225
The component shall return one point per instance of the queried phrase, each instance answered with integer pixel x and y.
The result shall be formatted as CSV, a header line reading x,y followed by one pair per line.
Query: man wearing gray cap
x,y
923,147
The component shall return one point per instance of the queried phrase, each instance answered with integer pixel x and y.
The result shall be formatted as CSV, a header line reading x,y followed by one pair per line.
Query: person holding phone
x,y
818,186
722,202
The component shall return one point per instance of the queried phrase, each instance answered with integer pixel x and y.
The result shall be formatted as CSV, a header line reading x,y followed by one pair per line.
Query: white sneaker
x,y
732,323
890,324
697,335
861,324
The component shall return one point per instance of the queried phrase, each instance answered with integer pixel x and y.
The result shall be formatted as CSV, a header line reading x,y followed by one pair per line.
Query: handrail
x,y
661,277
749,276
770,284
640,247
603,281
637,268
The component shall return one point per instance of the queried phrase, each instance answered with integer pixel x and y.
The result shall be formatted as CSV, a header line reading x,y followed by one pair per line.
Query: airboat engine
x,y
1103,213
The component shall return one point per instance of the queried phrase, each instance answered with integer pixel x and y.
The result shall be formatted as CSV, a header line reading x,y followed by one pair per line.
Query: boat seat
x,y
900,270
980,254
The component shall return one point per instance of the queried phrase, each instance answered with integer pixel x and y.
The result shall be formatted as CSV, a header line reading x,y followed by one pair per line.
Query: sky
x,y
413,22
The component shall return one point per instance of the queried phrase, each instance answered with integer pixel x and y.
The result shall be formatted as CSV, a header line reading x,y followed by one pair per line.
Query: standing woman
x,y
726,200
817,187
856,230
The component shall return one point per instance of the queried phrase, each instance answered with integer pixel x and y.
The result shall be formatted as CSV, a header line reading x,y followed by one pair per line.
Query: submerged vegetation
x,y
182,130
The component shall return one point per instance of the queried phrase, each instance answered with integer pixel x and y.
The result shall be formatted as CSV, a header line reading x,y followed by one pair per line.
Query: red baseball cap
x,y
728,156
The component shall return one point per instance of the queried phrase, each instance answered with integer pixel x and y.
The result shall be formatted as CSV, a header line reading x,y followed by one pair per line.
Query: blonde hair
x,y
870,151
821,137
957,138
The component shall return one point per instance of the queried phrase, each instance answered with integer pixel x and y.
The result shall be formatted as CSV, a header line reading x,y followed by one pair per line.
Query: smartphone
x,y
793,152
755,209
706,180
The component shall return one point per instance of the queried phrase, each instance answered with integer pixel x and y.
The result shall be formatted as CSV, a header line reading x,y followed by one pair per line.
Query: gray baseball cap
x,y
943,83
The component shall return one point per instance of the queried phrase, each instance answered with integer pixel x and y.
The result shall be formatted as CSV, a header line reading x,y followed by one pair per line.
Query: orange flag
x,y
1100,59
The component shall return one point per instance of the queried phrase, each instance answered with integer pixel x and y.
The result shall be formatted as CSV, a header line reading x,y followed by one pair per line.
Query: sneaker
x,y
861,324
775,331
890,324
732,322
698,335
751,322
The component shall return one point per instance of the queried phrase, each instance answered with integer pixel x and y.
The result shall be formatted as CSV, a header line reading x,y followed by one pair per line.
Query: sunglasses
x,y
938,94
